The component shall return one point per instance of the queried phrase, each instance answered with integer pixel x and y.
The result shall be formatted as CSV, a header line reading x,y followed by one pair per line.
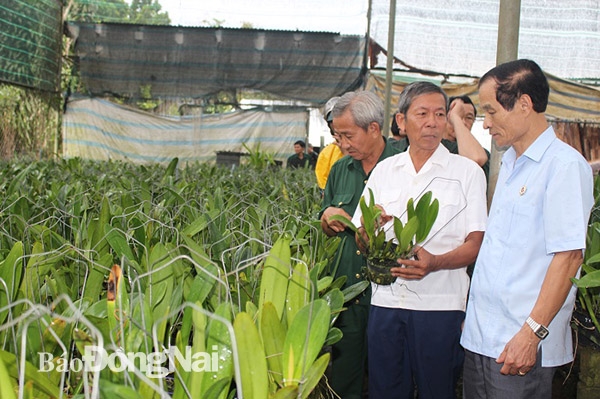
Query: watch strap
x,y
533,324
539,330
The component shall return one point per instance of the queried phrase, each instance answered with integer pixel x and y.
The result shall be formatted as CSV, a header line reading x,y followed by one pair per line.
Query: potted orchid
x,y
383,254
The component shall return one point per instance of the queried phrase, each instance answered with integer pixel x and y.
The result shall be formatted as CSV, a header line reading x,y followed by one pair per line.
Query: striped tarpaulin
x,y
100,130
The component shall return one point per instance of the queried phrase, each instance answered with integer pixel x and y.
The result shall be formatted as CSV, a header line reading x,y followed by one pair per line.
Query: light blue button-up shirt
x,y
541,206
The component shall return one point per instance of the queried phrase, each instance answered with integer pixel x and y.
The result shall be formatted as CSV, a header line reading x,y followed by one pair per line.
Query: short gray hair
x,y
415,90
365,107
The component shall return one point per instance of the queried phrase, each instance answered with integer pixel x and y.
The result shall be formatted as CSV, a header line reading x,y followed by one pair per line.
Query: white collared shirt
x,y
459,185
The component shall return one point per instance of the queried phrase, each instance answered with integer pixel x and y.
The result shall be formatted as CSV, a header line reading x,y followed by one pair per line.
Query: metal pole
x,y
389,69
507,50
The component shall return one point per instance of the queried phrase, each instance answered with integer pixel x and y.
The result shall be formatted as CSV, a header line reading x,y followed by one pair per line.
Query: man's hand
x,y
458,113
362,239
520,353
332,227
417,268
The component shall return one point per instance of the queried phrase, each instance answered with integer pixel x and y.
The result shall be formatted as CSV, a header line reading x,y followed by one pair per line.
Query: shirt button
x,y
340,203
358,252
357,275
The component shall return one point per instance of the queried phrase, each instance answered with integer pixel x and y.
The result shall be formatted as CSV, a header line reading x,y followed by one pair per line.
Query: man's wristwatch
x,y
539,330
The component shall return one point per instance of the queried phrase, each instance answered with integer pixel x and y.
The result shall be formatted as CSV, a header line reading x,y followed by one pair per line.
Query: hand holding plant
x,y
382,255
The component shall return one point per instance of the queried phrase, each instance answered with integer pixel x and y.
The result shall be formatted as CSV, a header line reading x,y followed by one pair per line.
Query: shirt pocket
x,y
393,201
522,224
344,201
452,205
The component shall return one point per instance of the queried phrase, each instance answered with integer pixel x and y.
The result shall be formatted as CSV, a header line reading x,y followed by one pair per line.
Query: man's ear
x,y
401,121
374,128
524,103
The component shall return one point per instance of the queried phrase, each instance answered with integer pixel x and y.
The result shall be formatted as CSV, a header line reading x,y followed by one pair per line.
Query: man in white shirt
x,y
415,323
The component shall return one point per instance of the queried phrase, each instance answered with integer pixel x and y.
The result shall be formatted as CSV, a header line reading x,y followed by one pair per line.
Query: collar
x,y
441,156
536,150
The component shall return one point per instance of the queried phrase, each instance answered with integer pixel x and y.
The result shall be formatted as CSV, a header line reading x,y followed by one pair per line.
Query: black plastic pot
x,y
378,271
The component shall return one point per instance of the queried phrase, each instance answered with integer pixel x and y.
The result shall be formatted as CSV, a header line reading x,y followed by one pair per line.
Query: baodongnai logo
x,y
95,359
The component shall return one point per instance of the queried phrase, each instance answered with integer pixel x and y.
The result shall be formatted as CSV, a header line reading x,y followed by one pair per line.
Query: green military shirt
x,y
294,161
401,145
344,187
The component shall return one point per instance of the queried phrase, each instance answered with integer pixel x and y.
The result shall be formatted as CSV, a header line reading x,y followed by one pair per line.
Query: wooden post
x,y
507,50
389,70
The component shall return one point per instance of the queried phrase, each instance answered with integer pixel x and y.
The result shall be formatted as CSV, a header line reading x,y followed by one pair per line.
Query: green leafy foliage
x,y
589,282
195,245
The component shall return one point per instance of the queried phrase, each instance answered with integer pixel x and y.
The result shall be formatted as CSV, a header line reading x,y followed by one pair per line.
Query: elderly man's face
x,y
425,121
353,140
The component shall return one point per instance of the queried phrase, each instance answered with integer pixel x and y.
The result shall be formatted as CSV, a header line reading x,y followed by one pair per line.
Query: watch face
x,y
542,332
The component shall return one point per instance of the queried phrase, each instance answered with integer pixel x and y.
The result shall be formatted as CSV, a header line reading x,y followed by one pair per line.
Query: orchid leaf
x,y
252,359
276,271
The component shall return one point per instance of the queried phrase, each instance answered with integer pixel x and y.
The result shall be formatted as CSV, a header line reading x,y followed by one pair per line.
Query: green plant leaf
x,y
199,320
347,222
314,375
289,392
423,203
117,306
335,300
408,234
334,335
589,280
275,274
410,209
398,227
299,291
427,214
355,290
196,226
118,242
110,390
273,334
594,259
40,381
252,359
304,340
218,340
7,390
11,270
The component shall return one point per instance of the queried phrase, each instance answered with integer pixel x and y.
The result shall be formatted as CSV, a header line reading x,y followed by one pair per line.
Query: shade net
x,y
30,43
196,62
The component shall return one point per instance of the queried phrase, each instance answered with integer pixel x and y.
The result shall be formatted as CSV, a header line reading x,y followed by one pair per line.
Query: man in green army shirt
x,y
357,121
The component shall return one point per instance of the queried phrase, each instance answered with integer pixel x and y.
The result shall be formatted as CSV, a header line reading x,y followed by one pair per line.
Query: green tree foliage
x,y
148,12
145,12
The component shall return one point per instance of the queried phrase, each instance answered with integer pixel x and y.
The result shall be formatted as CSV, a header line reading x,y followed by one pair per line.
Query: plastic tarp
x,y
568,100
196,62
100,130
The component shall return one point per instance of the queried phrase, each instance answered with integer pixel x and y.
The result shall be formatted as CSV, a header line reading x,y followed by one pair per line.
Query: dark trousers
x,y
408,348
482,380
349,355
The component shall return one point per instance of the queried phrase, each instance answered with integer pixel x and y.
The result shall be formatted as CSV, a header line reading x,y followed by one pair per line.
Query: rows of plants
x,y
587,313
184,281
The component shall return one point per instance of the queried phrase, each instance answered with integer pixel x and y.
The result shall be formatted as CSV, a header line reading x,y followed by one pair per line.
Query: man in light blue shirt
x,y
517,327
